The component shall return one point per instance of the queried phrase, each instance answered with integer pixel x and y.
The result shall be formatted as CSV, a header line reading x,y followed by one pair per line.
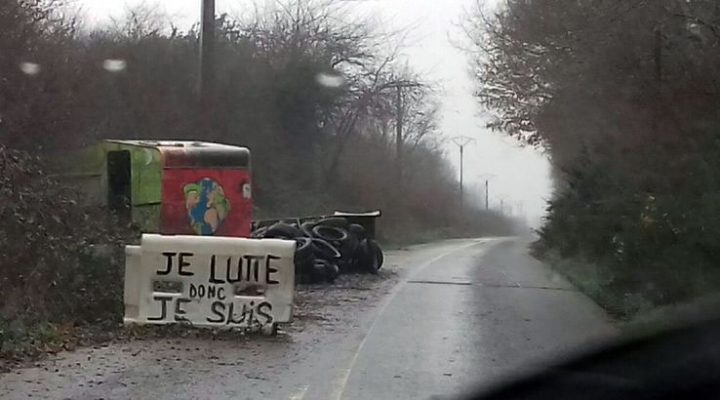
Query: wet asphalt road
x,y
468,318
445,318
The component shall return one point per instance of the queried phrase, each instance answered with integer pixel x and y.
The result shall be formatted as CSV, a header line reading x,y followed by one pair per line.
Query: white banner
x,y
209,281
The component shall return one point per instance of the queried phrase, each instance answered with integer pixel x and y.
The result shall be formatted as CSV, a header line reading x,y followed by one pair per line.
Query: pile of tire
x,y
327,248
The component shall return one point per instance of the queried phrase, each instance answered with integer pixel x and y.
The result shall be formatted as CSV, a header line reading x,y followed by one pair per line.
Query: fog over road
x,y
442,318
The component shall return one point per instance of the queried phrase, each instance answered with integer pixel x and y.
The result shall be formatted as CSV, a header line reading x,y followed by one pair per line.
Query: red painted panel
x,y
206,202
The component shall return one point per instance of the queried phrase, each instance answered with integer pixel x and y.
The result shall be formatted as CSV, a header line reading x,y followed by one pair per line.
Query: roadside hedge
x,y
61,264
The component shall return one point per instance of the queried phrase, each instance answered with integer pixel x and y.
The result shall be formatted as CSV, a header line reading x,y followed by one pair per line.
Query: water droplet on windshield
x,y
114,65
329,80
30,68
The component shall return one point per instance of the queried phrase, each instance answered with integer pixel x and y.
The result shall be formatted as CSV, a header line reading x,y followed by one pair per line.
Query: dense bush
x,y
51,271
623,95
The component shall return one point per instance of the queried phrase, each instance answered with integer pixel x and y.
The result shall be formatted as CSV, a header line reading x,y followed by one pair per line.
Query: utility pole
x,y
502,199
487,197
398,134
461,142
486,177
206,76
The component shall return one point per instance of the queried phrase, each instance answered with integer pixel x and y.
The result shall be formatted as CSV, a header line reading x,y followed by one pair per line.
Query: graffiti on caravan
x,y
217,288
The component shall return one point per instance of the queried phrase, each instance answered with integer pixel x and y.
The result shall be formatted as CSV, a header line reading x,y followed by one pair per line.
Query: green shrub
x,y
653,248
51,270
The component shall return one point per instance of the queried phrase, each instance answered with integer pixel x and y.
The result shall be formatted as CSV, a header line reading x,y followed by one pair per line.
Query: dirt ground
x,y
306,359
133,357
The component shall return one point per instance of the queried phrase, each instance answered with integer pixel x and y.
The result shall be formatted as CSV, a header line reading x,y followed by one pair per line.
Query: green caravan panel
x,y
147,218
86,169
146,176
146,171
148,162
146,181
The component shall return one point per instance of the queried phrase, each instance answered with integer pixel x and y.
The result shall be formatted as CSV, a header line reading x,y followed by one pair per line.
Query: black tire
x,y
359,231
352,244
330,234
302,278
318,271
369,257
324,250
259,233
349,251
283,231
343,241
374,265
332,271
304,256
304,267
306,228
364,257
303,248
338,222
377,251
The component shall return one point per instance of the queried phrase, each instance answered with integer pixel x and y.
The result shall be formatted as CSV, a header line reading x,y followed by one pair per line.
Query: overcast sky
x,y
518,175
